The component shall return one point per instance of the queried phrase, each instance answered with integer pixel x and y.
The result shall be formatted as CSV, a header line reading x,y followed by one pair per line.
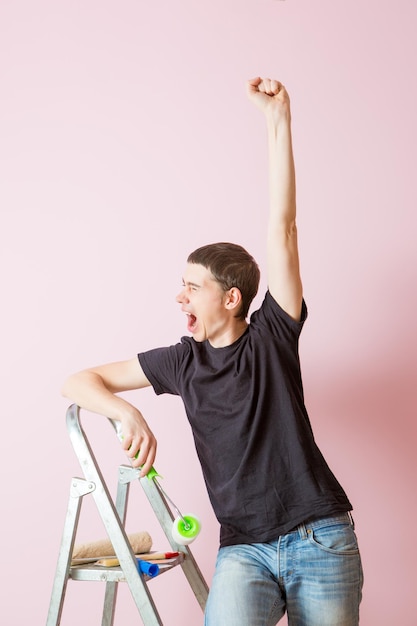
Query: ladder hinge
x,y
80,487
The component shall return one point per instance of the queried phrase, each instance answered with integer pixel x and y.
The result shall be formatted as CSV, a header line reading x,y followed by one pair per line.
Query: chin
x,y
199,337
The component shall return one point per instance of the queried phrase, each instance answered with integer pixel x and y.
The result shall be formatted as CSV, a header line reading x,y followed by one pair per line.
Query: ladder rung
x,y
114,574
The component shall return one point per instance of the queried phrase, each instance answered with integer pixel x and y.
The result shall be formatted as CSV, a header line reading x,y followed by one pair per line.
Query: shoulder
x,y
172,356
272,316
183,347
164,366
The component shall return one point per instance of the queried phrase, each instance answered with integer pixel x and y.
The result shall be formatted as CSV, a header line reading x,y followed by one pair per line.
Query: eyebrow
x,y
190,284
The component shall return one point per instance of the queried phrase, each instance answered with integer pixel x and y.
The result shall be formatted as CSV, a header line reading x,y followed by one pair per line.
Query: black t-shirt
x,y
263,470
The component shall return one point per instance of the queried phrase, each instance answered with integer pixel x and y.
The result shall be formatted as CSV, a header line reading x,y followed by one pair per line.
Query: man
x,y
287,541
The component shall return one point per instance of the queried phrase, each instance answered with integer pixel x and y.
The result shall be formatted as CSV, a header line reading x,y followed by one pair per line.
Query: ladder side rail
x,y
116,532
66,548
165,516
110,596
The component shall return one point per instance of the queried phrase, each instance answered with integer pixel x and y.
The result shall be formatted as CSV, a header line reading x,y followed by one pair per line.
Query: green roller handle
x,y
152,472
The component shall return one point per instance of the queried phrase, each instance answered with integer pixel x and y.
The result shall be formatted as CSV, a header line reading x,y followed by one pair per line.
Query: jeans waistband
x,y
329,520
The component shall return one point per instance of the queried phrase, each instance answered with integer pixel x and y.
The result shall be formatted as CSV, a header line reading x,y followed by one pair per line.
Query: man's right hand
x,y
138,440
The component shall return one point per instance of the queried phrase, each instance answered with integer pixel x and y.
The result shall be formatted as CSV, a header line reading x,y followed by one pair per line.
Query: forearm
x,y
282,187
88,390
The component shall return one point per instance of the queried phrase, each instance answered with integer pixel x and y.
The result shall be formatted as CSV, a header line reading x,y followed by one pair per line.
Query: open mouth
x,y
192,322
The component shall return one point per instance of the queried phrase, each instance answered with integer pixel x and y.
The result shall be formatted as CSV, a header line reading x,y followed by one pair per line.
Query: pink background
x,y
127,141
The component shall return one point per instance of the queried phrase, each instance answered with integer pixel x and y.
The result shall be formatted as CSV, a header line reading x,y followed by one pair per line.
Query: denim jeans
x,y
313,573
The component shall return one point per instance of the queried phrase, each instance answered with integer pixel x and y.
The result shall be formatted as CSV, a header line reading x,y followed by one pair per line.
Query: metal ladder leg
x,y
79,488
165,516
111,586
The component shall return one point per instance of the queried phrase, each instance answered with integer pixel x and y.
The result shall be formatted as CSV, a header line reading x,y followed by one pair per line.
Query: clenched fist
x,y
270,96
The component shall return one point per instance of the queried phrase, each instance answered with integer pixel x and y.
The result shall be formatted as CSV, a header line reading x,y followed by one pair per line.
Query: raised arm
x,y
284,281
95,389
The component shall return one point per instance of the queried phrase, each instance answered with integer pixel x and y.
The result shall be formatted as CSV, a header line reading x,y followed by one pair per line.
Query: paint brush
x,y
155,556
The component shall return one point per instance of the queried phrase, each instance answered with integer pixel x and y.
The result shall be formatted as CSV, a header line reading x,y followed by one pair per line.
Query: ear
x,y
233,299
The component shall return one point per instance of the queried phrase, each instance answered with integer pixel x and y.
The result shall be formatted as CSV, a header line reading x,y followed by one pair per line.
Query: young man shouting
x,y
287,541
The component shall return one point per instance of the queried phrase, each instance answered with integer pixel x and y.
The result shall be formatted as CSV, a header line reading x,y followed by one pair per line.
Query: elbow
x,y
77,385
66,388
284,231
72,385
290,228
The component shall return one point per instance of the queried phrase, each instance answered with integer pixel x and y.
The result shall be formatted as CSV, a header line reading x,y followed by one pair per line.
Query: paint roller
x,y
185,528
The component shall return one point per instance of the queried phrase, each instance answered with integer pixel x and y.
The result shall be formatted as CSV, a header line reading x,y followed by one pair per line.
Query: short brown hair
x,y
231,266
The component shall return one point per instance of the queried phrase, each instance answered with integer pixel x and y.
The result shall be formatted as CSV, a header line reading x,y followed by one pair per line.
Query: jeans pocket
x,y
338,539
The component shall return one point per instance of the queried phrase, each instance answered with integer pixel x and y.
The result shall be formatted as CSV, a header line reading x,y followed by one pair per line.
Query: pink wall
x,y
126,141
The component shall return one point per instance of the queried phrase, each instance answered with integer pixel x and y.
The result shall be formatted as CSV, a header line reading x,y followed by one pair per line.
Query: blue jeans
x,y
314,573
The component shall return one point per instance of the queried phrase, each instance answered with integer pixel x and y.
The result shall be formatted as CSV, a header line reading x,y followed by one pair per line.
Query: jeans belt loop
x,y
302,531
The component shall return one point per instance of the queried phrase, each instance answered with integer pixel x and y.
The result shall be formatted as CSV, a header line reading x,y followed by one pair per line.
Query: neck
x,y
230,335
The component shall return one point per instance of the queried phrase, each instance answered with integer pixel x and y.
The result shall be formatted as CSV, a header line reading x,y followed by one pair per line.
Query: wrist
x,y
123,411
278,120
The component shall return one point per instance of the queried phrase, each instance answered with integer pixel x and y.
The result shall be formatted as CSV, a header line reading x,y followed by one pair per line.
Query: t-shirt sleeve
x,y
272,317
162,367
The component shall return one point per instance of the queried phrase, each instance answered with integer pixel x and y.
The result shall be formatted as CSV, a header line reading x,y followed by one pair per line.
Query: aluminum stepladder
x,y
113,515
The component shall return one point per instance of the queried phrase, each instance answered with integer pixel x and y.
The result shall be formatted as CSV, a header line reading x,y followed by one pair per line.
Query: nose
x,y
181,297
